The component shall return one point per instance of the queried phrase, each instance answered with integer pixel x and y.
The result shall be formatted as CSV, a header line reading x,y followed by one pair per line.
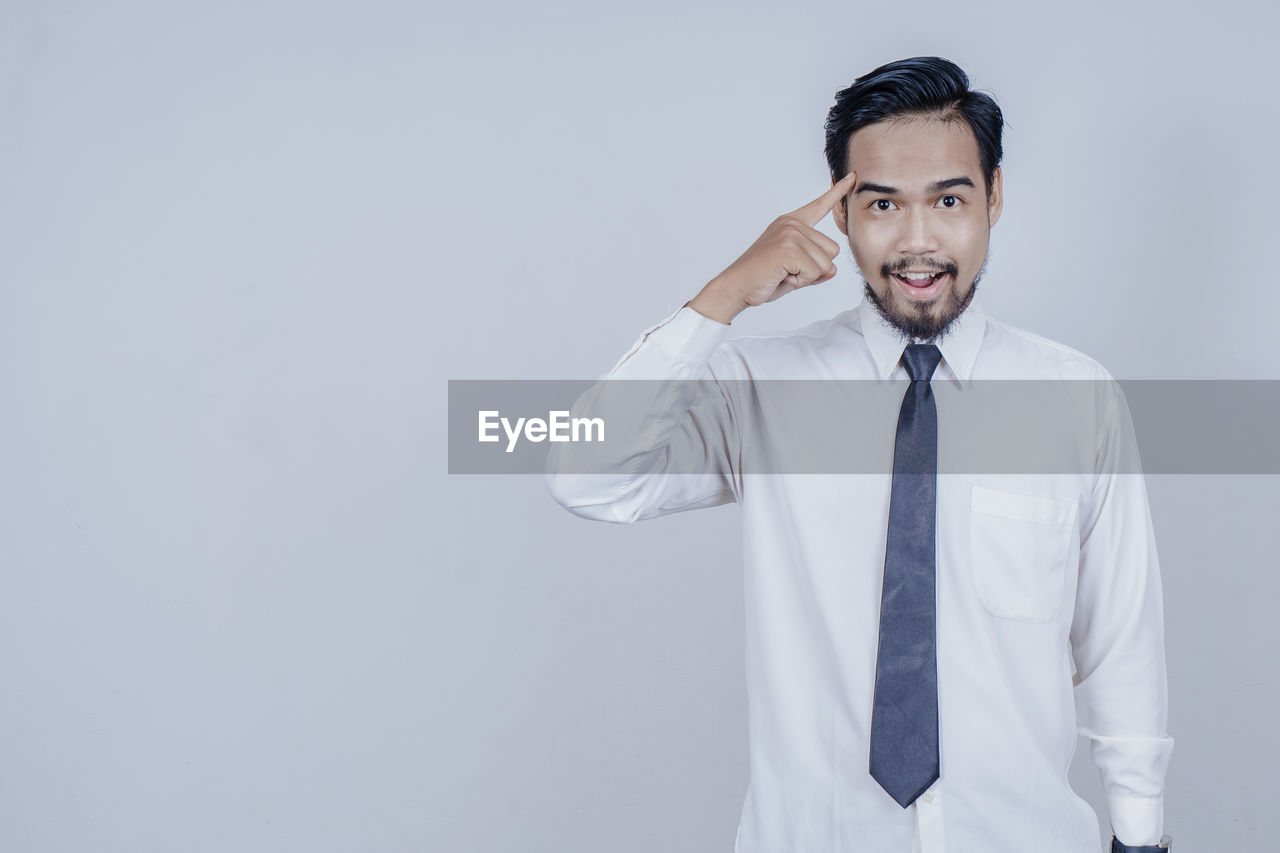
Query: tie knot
x,y
921,360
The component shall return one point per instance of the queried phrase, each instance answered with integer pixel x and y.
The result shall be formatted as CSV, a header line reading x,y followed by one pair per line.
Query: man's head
x,y
929,187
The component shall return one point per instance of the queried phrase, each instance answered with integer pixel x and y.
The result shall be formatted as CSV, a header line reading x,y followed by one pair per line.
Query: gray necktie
x,y
904,717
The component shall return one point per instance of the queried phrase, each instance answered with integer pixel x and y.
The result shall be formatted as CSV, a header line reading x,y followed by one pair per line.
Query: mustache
x,y
887,270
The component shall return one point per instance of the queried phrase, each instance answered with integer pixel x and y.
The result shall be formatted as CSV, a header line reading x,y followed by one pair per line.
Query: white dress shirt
x,y
1049,606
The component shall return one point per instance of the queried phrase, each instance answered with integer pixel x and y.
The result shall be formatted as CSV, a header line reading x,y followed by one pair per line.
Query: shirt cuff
x,y
1136,821
688,337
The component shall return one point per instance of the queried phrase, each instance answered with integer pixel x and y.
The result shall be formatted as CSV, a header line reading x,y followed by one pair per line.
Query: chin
x,y
921,318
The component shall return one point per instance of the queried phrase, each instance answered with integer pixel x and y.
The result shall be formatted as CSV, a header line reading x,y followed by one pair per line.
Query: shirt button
x,y
927,797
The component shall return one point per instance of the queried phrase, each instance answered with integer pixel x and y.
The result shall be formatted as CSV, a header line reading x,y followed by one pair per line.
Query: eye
x,y
883,204
950,200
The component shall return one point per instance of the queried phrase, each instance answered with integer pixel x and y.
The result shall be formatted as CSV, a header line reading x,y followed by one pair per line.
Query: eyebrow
x,y
935,187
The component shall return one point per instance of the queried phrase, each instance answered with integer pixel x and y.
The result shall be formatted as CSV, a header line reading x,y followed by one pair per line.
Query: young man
x,y
922,647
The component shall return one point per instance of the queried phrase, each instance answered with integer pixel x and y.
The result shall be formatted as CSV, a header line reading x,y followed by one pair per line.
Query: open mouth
x,y
921,285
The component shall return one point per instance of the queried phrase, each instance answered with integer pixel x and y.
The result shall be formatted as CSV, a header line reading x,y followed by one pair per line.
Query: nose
x,y
918,235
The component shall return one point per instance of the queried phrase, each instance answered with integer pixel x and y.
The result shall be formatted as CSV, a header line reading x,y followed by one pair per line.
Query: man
x,y
923,647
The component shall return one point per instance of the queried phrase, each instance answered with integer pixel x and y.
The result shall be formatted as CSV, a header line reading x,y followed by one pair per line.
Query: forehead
x,y
914,152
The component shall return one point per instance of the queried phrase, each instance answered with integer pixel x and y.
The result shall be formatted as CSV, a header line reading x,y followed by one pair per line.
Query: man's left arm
x,y
1117,633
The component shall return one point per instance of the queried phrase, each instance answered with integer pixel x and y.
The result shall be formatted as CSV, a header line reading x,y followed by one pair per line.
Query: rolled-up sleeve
x,y
1117,634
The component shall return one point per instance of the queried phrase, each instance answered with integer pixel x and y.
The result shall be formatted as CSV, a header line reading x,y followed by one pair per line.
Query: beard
x,y
919,321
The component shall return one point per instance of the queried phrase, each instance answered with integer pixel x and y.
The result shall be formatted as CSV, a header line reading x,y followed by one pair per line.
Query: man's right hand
x,y
790,253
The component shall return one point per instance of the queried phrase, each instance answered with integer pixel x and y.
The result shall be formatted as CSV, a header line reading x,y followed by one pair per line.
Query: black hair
x,y
920,86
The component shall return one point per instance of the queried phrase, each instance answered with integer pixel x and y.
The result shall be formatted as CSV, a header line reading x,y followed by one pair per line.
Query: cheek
x,y
867,261
869,247
966,239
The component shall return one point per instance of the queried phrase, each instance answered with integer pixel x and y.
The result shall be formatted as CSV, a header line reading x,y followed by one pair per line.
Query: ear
x,y
995,199
840,213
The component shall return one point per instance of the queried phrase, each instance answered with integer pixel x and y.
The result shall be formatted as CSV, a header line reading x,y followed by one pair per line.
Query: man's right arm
x,y
672,440
671,432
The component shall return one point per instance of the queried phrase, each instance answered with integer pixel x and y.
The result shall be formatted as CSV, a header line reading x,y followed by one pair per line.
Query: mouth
x,y
920,286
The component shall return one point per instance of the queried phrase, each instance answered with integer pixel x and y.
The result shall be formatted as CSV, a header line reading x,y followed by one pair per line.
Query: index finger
x,y
811,214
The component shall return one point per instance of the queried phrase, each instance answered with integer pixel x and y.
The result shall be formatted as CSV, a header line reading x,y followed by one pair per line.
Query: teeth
x,y
918,276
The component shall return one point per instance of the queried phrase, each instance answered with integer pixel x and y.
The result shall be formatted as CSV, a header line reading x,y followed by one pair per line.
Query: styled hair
x,y
927,86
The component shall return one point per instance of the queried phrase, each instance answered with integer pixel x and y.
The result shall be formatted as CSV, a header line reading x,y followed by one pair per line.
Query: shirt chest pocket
x,y
1019,546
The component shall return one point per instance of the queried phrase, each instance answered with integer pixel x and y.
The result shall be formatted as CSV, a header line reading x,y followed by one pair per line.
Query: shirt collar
x,y
959,346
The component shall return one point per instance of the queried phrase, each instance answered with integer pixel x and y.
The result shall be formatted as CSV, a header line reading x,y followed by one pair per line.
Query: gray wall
x,y
243,247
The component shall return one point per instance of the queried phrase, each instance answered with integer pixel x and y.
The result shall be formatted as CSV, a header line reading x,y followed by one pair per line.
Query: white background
x,y
244,245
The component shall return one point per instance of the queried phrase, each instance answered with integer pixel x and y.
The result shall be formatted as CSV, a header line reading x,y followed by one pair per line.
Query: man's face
x,y
919,207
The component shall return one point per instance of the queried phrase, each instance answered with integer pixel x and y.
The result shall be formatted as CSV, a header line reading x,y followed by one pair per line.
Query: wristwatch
x,y
1166,843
